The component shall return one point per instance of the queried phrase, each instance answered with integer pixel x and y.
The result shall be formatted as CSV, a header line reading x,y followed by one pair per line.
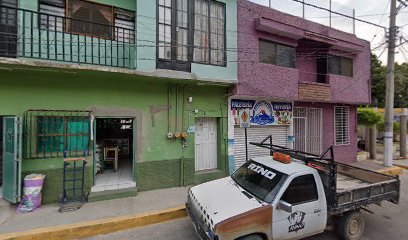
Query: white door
x,y
308,129
257,134
300,133
206,144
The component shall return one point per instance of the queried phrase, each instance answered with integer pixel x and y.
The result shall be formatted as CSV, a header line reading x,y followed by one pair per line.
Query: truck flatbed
x,y
346,183
357,187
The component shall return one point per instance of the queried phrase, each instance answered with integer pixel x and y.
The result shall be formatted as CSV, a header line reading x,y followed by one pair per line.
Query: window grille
x,y
48,133
52,14
90,18
124,25
341,125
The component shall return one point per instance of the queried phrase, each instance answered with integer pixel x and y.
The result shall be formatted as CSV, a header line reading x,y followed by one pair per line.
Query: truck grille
x,y
199,217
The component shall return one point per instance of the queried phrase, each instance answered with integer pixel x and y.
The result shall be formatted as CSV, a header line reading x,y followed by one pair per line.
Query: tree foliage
x,y
378,80
395,127
378,83
369,117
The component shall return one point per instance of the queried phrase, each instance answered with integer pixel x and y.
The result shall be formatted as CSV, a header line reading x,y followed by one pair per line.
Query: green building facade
x,y
99,85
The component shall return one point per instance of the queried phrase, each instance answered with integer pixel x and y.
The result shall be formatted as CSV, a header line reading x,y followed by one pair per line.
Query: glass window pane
x,y
167,51
347,67
334,65
161,33
301,190
161,50
267,52
167,3
161,14
167,34
167,16
285,56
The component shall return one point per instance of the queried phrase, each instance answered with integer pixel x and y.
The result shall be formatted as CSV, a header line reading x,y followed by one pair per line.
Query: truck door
x,y
308,215
11,159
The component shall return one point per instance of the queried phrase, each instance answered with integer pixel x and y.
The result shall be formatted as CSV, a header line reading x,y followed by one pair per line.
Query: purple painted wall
x,y
343,153
260,79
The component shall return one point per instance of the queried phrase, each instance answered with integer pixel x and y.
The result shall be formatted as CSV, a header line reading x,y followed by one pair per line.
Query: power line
x,y
338,13
382,16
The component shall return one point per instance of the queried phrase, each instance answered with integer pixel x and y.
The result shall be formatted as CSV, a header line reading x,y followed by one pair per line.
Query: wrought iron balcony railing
x,y
29,34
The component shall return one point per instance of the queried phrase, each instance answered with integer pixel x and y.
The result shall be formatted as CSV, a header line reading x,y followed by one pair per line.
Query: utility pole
x,y
389,94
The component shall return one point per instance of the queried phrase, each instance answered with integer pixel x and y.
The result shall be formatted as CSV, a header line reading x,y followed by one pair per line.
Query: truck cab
x,y
263,199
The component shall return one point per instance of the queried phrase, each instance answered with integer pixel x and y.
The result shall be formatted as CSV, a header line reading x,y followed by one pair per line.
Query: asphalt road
x,y
387,222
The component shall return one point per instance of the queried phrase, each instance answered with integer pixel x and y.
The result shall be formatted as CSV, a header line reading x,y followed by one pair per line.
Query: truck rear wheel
x,y
350,226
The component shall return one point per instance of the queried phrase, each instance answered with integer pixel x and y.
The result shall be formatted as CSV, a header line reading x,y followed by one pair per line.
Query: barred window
x,y
90,18
341,125
124,25
52,14
209,32
50,133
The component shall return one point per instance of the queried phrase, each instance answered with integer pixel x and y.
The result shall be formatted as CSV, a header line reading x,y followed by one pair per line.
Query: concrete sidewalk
x,y
378,166
379,161
401,163
48,215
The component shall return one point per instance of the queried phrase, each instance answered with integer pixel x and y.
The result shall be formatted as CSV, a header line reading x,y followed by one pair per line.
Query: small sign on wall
x,y
244,119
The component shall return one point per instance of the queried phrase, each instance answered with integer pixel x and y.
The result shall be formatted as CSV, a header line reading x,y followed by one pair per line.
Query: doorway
x,y
114,151
321,70
206,144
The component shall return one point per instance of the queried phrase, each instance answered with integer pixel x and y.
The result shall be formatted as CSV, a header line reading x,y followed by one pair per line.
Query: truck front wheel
x,y
350,226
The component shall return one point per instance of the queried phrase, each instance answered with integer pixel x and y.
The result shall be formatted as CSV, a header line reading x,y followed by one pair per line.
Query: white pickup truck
x,y
267,198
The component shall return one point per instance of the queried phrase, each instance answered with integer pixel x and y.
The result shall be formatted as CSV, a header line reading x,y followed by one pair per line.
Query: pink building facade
x,y
307,77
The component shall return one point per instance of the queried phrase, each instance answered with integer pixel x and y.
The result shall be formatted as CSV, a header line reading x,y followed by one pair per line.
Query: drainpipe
x,y
182,130
226,164
177,96
182,168
168,106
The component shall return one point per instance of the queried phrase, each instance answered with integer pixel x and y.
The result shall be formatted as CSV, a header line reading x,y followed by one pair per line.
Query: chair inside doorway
x,y
114,151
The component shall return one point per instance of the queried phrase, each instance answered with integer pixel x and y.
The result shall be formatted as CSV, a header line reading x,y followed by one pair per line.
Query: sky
x,y
374,11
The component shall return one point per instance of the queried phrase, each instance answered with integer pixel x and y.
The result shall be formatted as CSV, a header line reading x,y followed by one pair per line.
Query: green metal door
x,y
11,160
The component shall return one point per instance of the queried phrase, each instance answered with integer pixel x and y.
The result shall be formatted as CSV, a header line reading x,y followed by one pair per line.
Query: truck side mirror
x,y
285,206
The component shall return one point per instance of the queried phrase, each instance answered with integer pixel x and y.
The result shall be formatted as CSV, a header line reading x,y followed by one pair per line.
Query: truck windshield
x,y
259,180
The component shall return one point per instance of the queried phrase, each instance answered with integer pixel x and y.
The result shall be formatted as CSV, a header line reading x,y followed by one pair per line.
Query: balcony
x,y
30,34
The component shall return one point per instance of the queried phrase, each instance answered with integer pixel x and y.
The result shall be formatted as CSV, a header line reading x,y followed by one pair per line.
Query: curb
x,y
393,171
97,227
401,166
